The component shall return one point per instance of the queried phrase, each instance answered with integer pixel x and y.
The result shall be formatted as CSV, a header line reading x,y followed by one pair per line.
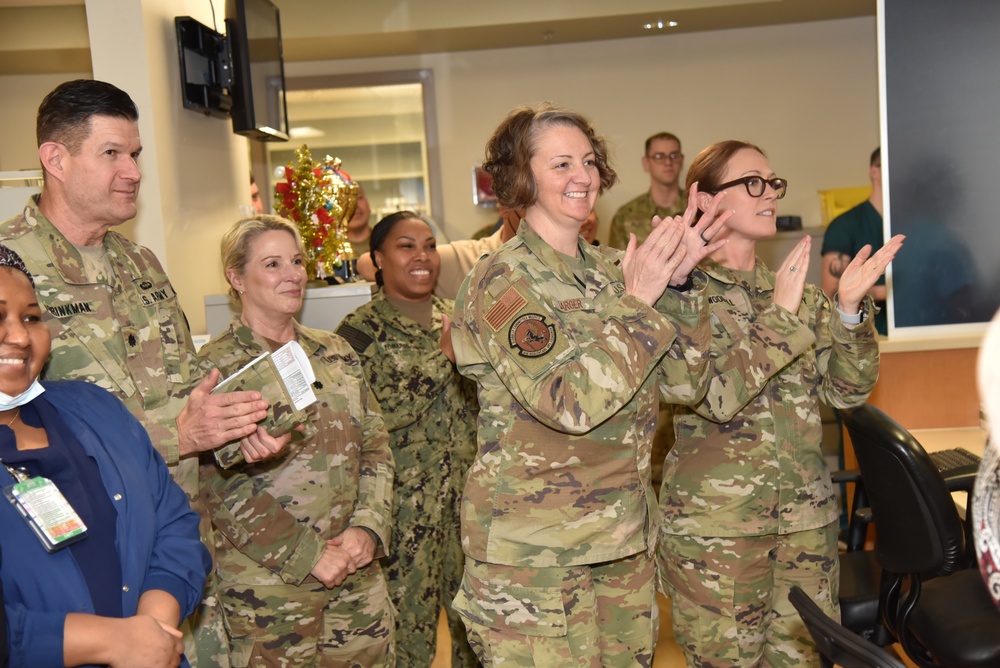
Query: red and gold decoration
x,y
320,198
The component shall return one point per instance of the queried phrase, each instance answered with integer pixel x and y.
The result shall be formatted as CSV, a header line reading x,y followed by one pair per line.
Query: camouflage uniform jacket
x,y
276,515
567,393
747,459
429,409
636,216
127,335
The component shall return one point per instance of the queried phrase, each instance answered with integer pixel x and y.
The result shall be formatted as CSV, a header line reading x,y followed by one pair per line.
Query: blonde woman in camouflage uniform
x,y
403,337
748,507
567,341
297,564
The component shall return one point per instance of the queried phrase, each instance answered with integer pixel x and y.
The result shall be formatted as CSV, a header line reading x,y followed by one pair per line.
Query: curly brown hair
x,y
509,152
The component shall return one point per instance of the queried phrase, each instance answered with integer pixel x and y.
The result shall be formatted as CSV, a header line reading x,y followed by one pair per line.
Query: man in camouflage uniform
x,y
558,508
275,520
664,162
746,491
114,317
430,412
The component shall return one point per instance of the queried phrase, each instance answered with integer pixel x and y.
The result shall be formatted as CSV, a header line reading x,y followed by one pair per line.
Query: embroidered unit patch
x,y
531,335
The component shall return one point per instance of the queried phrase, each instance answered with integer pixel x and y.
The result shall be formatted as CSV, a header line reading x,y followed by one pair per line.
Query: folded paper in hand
x,y
284,378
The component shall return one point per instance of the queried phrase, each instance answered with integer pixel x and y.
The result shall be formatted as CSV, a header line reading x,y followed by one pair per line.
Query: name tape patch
x,y
71,309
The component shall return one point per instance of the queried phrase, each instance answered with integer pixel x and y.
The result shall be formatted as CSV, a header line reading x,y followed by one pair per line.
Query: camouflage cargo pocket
x,y
530,611
242,633
684,575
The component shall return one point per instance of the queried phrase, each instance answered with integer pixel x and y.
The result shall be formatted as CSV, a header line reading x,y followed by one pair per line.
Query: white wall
x,y
20,96
806,93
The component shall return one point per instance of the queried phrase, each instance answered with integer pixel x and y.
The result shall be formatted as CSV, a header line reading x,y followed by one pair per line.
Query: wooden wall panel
x,y
929,389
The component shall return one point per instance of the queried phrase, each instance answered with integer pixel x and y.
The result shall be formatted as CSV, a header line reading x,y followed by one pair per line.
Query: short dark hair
x,y
65,113
876,157
509,152
663,135
381,232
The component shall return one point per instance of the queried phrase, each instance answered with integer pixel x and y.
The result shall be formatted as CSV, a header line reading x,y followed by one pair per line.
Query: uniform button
x,y
118,497
125,588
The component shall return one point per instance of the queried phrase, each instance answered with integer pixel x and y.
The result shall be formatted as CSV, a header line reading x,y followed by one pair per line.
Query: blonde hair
x,y
236,243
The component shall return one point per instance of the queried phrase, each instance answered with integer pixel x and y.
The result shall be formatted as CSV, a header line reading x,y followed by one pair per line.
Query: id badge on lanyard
x,y
46,511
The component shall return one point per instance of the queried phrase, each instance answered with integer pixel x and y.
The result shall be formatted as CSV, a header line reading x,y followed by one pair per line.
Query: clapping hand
x,y
861,274
647,268
699,235
790,279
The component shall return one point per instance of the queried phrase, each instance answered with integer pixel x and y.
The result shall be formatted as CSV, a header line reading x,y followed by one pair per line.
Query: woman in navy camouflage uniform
x,y
748,507
403,336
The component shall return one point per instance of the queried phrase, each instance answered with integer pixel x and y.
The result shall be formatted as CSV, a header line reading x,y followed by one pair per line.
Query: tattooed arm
x,y
834,264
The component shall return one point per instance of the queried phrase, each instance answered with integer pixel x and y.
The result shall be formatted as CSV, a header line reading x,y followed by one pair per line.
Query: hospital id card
x,y
47,512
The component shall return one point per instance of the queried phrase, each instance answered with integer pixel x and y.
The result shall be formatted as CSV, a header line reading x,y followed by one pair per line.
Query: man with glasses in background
x,y
663,161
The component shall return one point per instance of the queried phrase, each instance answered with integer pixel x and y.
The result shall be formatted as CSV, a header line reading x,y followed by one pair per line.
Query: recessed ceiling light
x,y
659,25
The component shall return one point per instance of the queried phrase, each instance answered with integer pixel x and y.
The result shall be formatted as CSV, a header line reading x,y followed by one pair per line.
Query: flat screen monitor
x,y
253,30
204,68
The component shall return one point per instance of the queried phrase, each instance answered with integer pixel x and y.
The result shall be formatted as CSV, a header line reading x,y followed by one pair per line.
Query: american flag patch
x,y
505,308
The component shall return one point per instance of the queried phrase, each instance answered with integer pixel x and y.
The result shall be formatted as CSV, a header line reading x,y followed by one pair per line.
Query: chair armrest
x,y
860,514
963,482
864,515
846,475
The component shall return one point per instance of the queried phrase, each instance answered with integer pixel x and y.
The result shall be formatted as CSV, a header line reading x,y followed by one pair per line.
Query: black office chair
x,y
935,605
836,644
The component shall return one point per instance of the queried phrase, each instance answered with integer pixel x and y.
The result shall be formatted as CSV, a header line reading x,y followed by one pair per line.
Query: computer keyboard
x,y
955,462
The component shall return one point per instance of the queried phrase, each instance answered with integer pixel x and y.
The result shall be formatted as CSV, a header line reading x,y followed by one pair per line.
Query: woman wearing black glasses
x,y
748,506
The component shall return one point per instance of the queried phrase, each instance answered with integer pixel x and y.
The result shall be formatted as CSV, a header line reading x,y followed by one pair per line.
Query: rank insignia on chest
x,y
531,335
150,294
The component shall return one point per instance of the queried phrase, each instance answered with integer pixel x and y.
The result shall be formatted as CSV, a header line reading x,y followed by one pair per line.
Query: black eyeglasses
x,y
663,157
756,185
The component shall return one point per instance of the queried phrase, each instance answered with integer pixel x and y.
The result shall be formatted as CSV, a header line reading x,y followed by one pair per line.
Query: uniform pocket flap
x,y
530,611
